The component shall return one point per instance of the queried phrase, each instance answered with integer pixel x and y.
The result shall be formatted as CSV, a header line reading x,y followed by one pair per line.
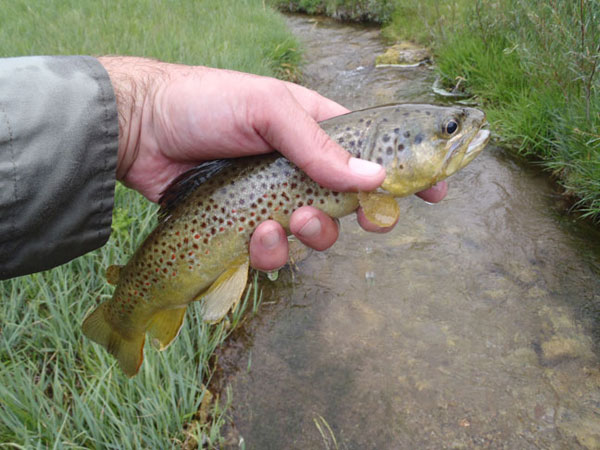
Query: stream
x,y
475,323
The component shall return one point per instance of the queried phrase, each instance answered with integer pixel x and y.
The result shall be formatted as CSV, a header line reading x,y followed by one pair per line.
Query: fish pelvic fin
x,y
165,327
226,291
380,209
129,351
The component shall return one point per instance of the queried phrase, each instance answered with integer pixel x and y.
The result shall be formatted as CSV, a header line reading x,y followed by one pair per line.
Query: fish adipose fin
x,y
165,327
113,273
129,352
226,291
381,209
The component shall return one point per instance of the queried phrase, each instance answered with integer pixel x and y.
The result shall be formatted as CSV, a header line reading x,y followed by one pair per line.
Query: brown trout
x,y
199,249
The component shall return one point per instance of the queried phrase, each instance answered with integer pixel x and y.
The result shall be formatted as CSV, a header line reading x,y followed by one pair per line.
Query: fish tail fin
x,y
165,327
129,351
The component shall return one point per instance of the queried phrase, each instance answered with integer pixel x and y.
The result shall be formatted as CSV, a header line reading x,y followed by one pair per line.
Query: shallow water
x,y
475,323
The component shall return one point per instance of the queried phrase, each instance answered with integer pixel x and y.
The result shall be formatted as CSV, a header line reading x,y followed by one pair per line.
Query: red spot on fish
x,y
241,229
221,229
173,256
196,236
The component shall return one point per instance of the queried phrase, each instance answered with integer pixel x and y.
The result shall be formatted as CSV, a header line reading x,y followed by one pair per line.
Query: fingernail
x,y
270,240
363,167
310,228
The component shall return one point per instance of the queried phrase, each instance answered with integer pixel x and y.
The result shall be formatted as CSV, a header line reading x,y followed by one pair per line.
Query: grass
x,y
57,389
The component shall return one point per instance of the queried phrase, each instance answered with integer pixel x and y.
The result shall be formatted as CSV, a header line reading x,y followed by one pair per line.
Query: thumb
x,y
287,127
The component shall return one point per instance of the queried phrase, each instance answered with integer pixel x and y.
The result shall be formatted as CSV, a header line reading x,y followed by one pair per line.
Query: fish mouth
x,y
476,145
478,142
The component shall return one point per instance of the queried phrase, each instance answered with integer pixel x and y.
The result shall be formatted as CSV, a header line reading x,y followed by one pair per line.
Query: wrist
x,y
134,81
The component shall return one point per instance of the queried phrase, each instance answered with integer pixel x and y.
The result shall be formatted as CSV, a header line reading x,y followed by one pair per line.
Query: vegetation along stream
x,y
474,323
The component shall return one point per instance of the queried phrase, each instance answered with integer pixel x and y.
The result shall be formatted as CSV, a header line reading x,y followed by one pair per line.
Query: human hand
x,y
172,117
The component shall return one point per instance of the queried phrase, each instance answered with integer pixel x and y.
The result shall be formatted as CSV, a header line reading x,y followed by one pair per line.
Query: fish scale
x,y
199,249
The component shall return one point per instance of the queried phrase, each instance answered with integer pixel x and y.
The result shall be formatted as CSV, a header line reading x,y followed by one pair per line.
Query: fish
x,y
199,248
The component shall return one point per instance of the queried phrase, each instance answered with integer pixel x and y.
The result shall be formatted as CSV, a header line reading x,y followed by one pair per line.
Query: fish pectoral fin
x,y
129,351
226,291
113,274
380,209
165,327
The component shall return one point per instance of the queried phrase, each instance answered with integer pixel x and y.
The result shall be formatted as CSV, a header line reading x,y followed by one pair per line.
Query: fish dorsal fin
x,y
113,273
165,327
189,180
381,209
226,291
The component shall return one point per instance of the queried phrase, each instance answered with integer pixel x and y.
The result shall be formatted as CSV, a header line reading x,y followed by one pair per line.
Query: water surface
x,y
474,324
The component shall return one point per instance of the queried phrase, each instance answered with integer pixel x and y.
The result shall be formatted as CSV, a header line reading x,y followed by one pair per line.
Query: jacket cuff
x,y
58,155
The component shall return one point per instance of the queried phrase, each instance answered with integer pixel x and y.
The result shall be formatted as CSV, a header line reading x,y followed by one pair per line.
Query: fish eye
x,y
451,127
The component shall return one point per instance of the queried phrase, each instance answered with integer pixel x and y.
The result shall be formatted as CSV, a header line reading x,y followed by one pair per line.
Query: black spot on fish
x,y
369,122
357,133
341,140
397,130
427,113
360,142
407,134
385,138
418,139
352,143
389,150
400,147
379,160
361,120
406,114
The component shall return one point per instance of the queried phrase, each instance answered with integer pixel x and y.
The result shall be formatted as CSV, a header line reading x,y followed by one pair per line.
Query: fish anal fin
x,y
165,327
113,274
226,291
129,351
380,209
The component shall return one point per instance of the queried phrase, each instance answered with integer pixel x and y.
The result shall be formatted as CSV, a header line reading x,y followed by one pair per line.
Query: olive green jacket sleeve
x,y
58,154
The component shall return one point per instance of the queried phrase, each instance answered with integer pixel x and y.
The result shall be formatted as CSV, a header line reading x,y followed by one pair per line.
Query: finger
x,y
268,246
435,193
369,226
288,127
314,228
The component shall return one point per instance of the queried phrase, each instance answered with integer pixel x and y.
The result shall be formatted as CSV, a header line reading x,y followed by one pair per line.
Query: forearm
x,y
58,153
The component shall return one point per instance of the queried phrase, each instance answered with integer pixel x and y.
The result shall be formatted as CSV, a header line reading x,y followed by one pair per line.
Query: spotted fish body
x,y
199,250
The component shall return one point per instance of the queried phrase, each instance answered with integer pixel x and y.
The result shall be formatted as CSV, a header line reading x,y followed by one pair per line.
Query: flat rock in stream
x,y
403,54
